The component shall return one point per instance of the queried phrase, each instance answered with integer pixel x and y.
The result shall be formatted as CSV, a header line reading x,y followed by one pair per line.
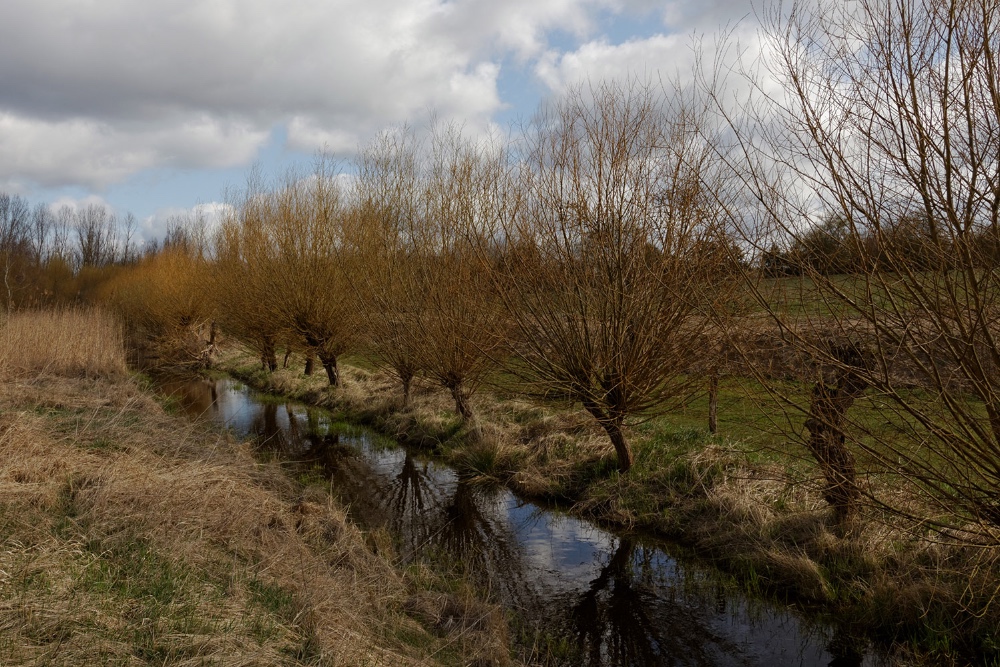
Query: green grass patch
x,y
131,569
102,445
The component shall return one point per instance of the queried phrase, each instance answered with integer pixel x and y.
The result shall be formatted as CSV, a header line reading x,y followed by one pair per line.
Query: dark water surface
x,y
599,597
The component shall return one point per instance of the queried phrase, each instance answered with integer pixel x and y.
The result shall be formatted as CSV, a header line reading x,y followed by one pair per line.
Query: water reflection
x,y
621,620
600,598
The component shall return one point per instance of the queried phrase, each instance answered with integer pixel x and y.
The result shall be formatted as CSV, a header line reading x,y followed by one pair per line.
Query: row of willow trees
x,y
621,247
588,251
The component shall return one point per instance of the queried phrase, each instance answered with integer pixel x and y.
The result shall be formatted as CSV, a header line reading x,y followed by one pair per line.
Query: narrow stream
x,y
602,598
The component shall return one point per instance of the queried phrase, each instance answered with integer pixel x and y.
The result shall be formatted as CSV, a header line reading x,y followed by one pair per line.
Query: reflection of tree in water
x,y
403,502
309,443
633,615
197,398
436,515
412,500
487,546
447,515
312,421
622,621
264,428
290,440
845,648
429,512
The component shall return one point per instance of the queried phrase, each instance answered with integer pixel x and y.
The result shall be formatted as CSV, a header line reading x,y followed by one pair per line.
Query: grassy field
x,y
749,497
131,536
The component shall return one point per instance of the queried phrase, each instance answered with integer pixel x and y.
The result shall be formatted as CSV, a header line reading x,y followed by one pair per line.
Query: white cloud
x,y
98,153
708,15
94,92
517,25
305,133
671,59
598,60
78,203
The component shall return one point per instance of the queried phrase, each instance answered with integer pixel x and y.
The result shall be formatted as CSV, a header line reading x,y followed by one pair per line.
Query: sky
x,y
157,107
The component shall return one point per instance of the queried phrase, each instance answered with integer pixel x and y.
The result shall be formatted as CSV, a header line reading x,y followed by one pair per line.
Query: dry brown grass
x,y
74,342
130,536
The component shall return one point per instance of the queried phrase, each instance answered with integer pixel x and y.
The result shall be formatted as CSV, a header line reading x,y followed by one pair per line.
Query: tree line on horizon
x,y
61,256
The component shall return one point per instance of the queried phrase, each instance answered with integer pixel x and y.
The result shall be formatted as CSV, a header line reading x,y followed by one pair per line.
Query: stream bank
x,y
576,593
762,522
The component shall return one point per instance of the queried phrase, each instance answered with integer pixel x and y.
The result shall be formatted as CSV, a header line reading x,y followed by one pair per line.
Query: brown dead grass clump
x,y
130,537
74,342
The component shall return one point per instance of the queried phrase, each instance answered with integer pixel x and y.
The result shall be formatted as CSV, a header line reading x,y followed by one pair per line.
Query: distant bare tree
x,y
42,222
151,247
62,230
188,232
15,242
129,253
96,236
15,215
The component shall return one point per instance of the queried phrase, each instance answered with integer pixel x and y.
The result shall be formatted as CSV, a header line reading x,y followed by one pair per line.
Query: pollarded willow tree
x,y
245,291
460,329
307,262
387,212
426,298
609,261
167,298
888,121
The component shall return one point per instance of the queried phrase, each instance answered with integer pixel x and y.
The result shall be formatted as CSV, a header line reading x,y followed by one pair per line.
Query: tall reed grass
x,y
77,342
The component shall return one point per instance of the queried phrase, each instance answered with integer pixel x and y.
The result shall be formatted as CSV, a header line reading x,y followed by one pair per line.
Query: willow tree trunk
x,y
329,362
827,413
461,401
622,449
268,359
407,379
612,425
